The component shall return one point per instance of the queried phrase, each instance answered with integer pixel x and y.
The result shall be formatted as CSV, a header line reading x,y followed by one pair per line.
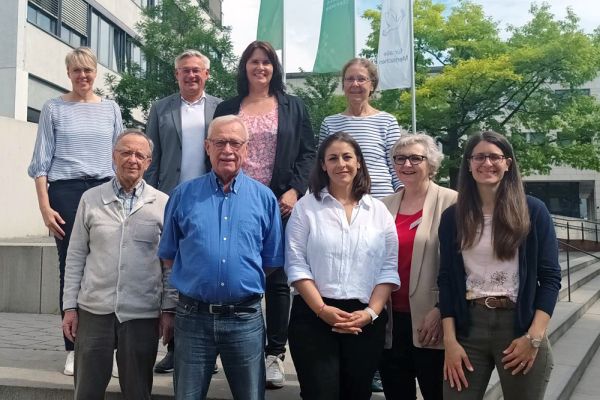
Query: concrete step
x,y
577,261
578,279
572,354
587,388
566,314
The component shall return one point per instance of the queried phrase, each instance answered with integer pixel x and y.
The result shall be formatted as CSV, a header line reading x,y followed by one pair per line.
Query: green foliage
x,y
505,84
318,95
166,30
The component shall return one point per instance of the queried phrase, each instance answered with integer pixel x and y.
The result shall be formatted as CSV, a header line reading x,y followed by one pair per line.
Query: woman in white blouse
x,y
341,258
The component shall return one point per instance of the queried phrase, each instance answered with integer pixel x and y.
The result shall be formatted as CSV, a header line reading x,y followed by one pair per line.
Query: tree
x,y
508,85
166,30
318,95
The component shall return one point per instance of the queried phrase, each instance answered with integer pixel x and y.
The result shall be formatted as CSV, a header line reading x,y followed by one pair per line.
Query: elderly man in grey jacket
x,y
116,289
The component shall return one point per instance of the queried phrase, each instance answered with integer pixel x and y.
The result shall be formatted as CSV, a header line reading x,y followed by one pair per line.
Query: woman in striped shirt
x,y
375,131
73,152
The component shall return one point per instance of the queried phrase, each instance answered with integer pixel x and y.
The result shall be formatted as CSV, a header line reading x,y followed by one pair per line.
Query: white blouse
x,y
486,275
346,261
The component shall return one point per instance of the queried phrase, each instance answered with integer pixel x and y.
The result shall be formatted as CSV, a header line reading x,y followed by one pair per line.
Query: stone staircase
x,y
574,331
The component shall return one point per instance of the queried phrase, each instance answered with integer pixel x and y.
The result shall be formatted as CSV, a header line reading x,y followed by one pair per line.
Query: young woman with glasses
x,y
499,278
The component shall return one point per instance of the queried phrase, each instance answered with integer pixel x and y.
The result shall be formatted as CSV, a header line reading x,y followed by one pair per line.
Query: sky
x,y
303,18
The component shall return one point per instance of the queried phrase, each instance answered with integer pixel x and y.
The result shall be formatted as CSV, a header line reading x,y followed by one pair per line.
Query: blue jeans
x,y
238,338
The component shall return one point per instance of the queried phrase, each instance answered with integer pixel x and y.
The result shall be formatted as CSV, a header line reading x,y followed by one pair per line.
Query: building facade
x,y
36,35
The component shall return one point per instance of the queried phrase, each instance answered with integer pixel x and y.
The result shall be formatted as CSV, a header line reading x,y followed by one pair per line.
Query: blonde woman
x,y
73,152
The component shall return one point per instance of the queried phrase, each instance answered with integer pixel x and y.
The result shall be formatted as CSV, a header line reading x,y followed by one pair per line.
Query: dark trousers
x,y
332,366
404,363
64,198
136,342
277,312
490,333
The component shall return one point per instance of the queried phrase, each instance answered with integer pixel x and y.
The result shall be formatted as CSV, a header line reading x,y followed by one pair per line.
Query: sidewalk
x,y
32,358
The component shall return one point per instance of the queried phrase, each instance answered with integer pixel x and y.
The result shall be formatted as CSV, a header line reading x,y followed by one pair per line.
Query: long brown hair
x,y
510,221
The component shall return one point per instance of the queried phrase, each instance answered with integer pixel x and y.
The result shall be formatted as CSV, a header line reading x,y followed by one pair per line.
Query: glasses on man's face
x,y
361,80
193,71
494,158
221,143
136,154
413,159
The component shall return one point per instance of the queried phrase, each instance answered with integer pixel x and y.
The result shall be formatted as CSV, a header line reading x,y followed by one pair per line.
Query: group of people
x,y
186,227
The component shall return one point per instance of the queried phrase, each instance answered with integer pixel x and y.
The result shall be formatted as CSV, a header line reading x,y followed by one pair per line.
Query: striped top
x,y
375,134
75,140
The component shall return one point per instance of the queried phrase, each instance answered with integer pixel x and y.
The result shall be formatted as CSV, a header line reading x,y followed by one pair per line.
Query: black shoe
x,y
376,385
165,365
215,369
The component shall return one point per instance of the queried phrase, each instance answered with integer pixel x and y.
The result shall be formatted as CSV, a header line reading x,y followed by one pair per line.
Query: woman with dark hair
x,y
499,278
341,258
280,155
375,131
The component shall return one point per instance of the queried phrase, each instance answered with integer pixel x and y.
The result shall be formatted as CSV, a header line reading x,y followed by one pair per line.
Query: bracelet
x,y
320,310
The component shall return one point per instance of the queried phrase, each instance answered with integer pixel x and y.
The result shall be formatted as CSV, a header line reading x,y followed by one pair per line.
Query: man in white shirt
x,y
177,124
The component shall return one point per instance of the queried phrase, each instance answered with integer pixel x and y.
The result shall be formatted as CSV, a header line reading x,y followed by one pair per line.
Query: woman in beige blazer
x,y
414,333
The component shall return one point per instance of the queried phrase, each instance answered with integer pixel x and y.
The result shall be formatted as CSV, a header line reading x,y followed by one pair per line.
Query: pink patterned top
x,y
262,130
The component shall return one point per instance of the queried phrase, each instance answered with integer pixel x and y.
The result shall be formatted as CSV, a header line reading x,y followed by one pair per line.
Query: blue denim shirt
x,y
221,242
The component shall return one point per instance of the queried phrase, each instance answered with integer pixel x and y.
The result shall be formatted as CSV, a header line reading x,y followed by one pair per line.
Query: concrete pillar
x,y
13,77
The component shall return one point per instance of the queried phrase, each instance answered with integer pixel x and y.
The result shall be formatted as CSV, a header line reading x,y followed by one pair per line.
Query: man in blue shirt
x,y
222,235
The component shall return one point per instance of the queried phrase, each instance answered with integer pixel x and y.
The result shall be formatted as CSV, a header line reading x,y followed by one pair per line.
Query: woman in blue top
x,y
499,278
73,152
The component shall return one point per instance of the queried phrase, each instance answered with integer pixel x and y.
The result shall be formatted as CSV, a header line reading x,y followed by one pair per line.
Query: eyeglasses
x,y
414,159
85,70
494,158
361,80
221,143
128,153
194,71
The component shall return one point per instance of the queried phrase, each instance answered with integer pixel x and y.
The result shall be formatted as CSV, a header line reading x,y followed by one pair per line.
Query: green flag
x,y
336,42
270,23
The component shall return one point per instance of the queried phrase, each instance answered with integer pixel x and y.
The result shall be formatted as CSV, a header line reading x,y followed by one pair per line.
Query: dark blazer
x,y
295,152
539,270
164,128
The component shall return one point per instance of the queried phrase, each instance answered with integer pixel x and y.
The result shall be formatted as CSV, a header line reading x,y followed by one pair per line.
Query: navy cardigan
x,y
295,151
539,270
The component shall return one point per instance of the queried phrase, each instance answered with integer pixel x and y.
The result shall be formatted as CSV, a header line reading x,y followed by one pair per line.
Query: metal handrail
x,y
577,225
568,245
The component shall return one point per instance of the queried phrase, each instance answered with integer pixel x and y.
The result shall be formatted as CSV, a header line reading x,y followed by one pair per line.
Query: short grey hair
x,y
137,132
226,119
432,151
193,53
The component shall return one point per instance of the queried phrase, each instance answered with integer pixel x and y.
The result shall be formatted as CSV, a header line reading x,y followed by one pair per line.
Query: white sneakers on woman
x,y
70,364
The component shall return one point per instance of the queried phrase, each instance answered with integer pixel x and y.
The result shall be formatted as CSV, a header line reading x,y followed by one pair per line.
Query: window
x,y
565,93
70,24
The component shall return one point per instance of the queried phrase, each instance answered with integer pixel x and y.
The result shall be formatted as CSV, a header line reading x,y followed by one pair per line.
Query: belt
x,y
242,306
495,302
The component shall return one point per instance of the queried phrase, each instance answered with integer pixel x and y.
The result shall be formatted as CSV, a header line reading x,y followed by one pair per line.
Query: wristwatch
x,y
372,313
535,343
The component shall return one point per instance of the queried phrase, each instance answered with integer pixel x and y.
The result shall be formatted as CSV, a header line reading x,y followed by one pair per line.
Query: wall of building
x,y
19,210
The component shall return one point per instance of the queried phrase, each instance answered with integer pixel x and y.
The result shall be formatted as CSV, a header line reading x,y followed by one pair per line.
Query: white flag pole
x,y
283,60
412,69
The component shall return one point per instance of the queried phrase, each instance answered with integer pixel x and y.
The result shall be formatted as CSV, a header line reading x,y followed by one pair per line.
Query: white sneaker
x,y
275,372
70,364
115,369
